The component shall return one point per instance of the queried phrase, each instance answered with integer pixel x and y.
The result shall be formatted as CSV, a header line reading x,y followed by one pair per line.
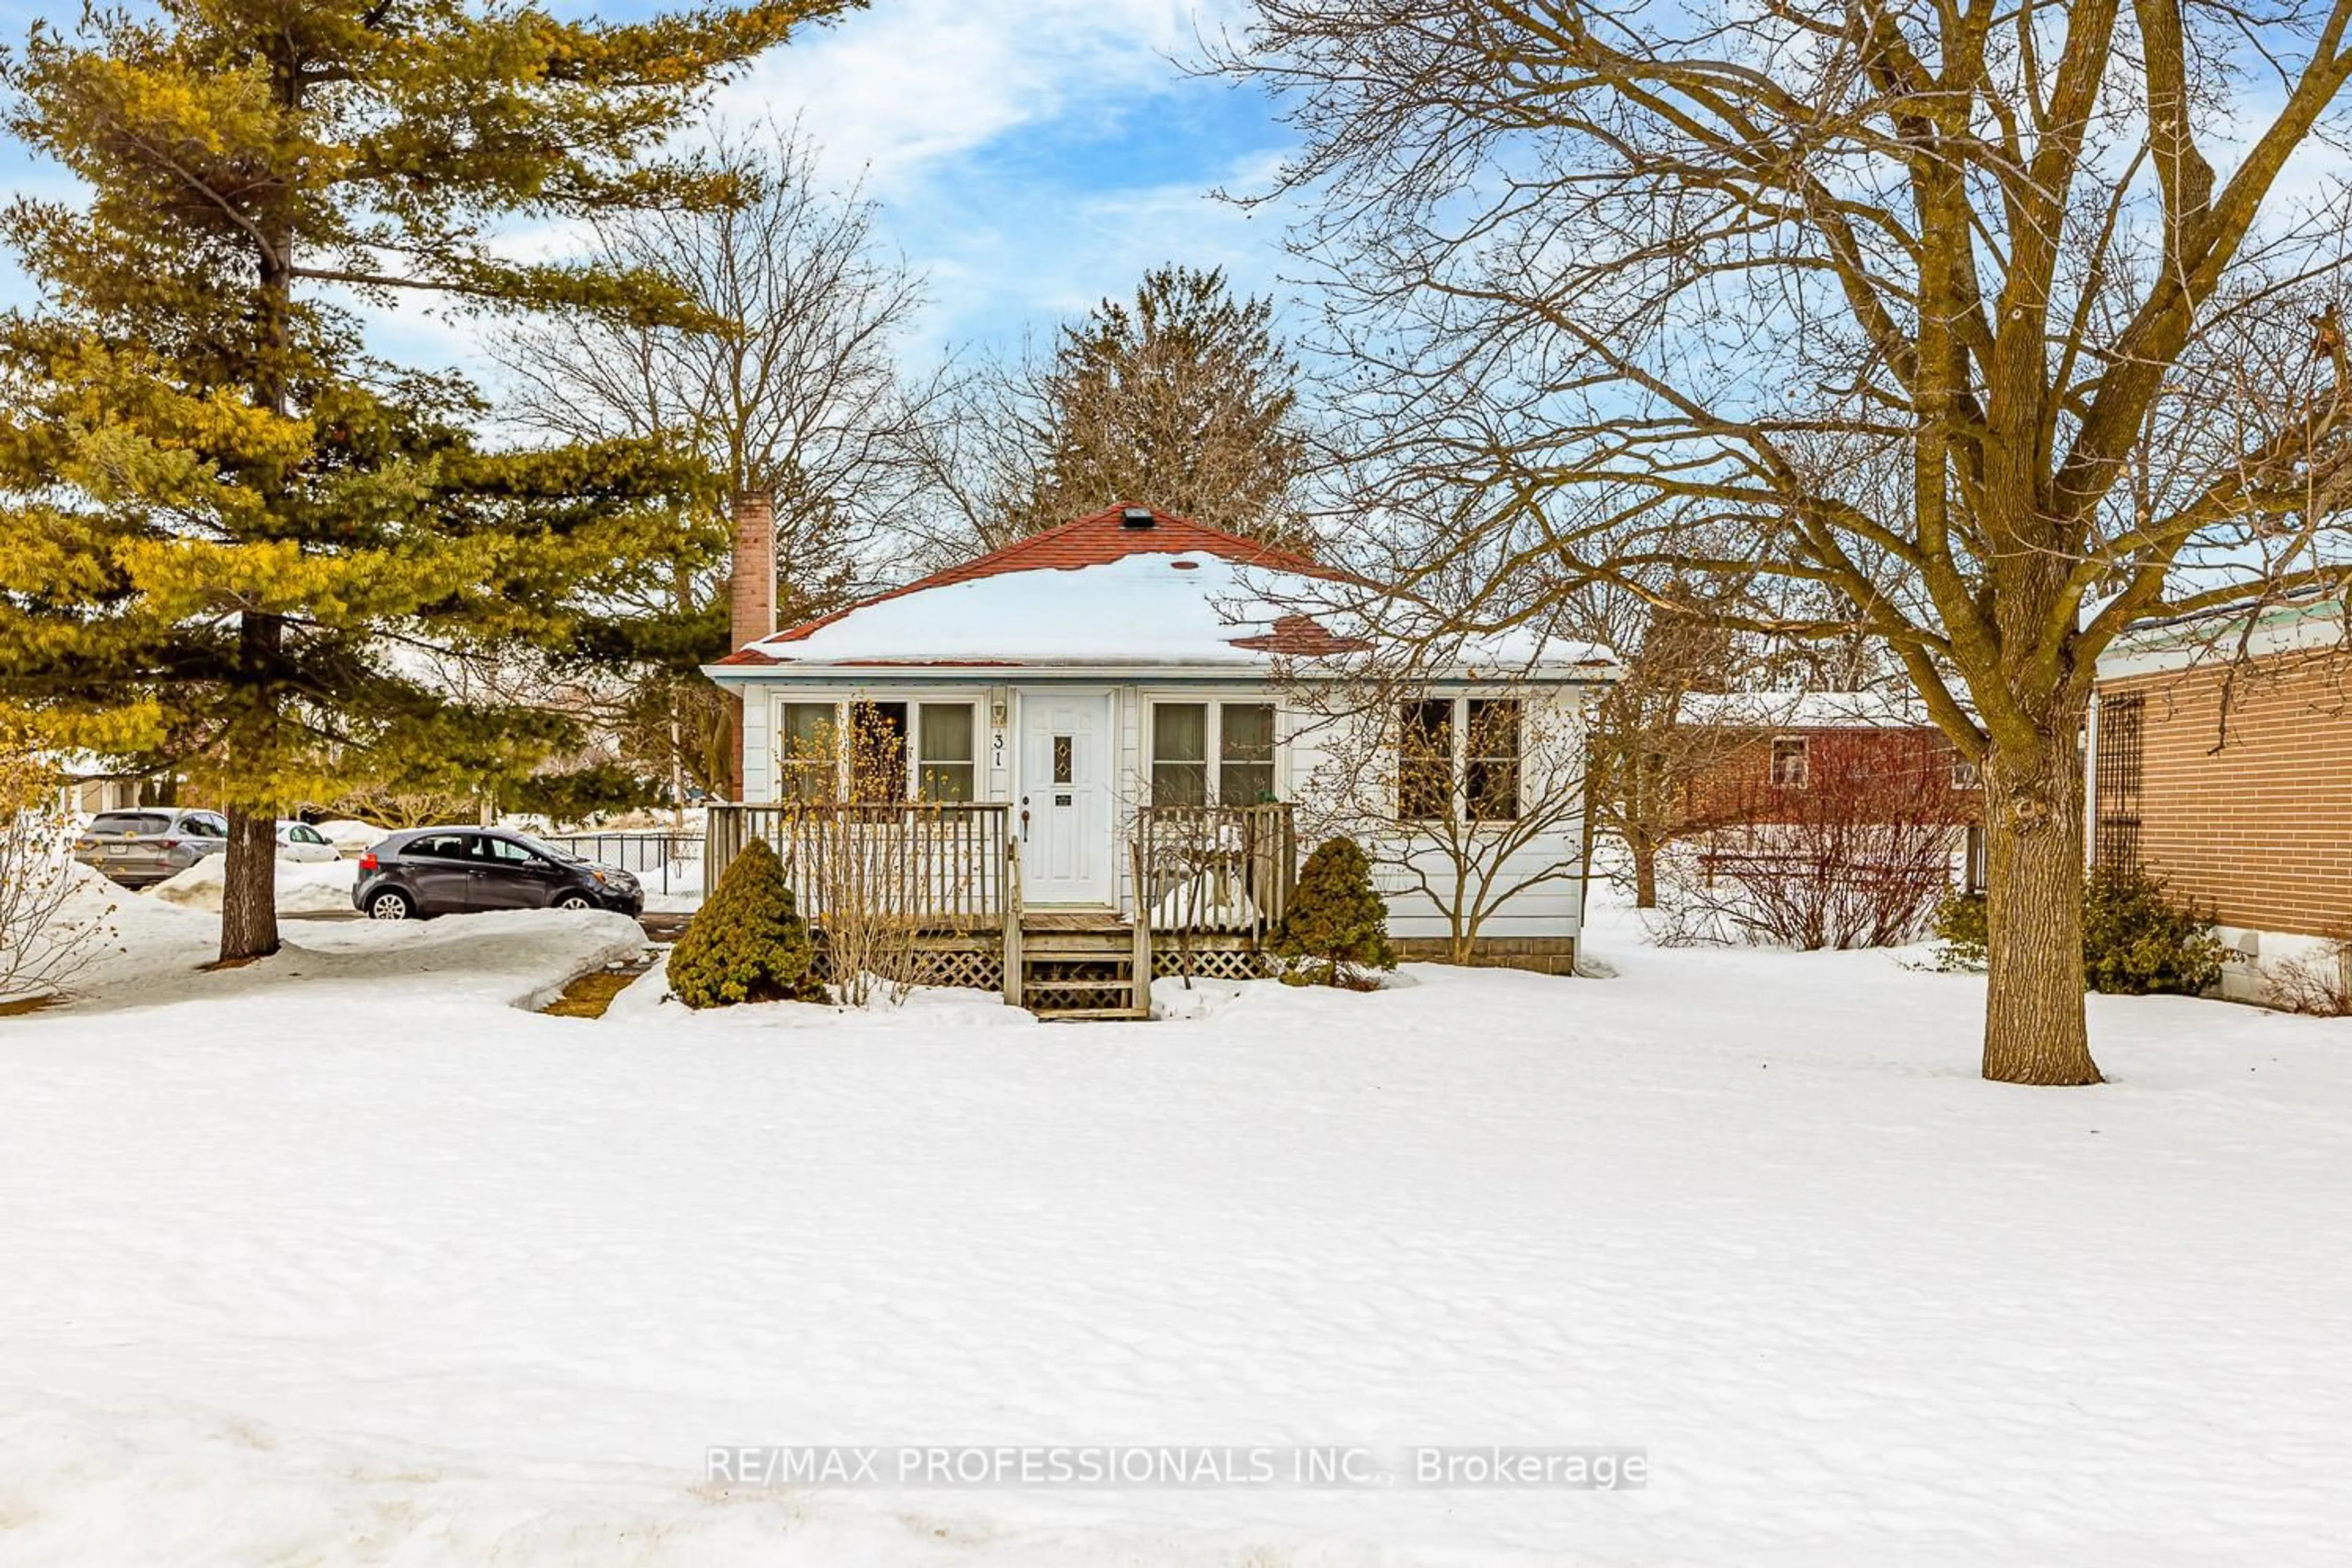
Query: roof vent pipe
x,y
1136,516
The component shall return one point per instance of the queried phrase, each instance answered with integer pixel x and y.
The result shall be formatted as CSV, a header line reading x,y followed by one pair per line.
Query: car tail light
x,y
167,843
367,861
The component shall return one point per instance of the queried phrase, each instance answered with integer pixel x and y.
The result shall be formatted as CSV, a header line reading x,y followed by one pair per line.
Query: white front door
x,y
1064,804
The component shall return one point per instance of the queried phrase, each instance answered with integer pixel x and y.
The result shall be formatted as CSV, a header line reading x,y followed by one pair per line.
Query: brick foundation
x,y
1539,954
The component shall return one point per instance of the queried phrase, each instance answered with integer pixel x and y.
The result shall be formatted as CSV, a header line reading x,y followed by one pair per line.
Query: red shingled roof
x,y
1096,540
1301,636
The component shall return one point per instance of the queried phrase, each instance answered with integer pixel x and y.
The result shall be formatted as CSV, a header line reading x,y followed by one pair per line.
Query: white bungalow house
x,y
1134,715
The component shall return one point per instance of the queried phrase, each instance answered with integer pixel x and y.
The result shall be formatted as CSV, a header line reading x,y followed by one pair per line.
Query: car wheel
x,y
391,904
575,900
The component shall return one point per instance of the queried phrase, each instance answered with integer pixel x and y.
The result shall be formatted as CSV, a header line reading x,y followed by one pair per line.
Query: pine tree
x,y
1337,924
228,527
747,942
1183,399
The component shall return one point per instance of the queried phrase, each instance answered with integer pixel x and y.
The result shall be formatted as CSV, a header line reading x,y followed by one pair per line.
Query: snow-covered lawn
x,y
342,1259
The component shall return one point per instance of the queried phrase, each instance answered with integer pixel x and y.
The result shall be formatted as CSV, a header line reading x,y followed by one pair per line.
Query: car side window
x,y
307,836
505,852
199,826
441,846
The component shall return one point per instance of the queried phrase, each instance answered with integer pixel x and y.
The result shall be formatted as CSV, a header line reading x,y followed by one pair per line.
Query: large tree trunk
x,y
2034,1027
249,886
250,876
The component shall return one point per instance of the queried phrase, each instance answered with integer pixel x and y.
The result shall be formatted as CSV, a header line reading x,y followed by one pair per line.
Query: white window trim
x,y
1213,738
914,703
1457,737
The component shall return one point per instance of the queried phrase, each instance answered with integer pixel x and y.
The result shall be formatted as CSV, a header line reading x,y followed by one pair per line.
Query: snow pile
x,y
1216,902
1173,997
304,888
349,1262
122,938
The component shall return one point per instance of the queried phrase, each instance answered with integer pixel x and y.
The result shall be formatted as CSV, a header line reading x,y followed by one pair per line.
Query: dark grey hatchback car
x,y
463,870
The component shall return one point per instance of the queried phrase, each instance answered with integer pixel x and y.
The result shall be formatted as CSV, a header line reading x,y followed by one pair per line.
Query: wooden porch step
x,y
1077,950
1079,1014
1088,919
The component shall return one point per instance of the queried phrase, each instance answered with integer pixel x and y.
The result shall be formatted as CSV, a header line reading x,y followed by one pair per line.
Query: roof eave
x,y
1594,673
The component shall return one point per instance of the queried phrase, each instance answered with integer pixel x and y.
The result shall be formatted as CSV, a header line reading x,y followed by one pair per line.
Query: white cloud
x,y
897,89
952,111
1039,256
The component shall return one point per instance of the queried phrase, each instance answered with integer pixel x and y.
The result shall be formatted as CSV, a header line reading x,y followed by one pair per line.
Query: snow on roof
x,y
1793,710
1109,590
1190,608
2296,623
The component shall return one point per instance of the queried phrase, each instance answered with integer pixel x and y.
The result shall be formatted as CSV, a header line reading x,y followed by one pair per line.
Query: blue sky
x,y
1033,156
1030,156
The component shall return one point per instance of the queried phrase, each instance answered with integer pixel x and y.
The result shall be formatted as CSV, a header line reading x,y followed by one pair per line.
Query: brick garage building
x,y
2219,757
1773,758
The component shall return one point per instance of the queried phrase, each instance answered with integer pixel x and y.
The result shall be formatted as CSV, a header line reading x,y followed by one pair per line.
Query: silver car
x,y
141,847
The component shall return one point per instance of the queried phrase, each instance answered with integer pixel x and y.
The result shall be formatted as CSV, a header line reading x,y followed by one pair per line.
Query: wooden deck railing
x,y
955,866
1221,868
945,865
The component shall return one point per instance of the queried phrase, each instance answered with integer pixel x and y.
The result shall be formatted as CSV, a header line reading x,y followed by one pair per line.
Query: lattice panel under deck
x,y
1213,963
968,967
978,970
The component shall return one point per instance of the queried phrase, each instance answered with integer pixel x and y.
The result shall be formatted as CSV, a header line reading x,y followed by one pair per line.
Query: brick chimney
x,y
752,588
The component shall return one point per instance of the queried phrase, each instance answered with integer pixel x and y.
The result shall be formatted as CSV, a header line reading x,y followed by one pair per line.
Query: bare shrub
x,y
2318,983
1858,854
45,938
854,862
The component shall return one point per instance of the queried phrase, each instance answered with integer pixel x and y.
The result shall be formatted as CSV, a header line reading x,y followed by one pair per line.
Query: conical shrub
x,y
1336,925
747,942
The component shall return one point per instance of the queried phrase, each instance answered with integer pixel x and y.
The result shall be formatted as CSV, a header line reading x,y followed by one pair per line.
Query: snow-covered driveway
x,y
371,1267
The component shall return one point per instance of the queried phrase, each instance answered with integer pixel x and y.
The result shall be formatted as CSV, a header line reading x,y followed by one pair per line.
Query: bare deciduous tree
x,y
792,386
1465,799
1946,313
1643,757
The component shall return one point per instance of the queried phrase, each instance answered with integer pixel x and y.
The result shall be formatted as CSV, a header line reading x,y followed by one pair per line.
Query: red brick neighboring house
x,y
1783,758
2220,756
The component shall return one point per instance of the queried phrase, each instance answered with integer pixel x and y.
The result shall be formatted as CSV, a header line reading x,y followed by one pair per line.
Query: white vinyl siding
x,y
1299,745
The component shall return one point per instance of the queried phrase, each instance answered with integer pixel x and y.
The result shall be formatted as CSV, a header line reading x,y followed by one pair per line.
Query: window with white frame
x,y
878,753
1490,744
1791,768
1425,759
1198,745
1459,754
883,751
808,751
945,750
